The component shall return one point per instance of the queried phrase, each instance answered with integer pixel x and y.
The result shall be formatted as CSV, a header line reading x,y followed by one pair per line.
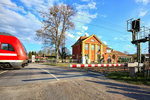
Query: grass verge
x,y
124,77
59,64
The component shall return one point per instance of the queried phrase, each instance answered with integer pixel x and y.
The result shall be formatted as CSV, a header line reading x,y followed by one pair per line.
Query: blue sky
x,y
104,18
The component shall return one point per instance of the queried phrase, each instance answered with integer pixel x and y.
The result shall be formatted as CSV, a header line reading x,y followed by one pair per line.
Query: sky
x,y
107,19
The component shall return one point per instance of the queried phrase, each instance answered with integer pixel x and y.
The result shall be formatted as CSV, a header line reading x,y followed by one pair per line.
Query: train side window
x,y
5,46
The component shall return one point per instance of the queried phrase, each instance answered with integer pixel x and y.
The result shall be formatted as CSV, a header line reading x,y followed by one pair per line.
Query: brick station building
x,y
92,50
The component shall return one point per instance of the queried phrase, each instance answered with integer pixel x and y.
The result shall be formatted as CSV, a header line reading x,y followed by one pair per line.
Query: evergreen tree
x,y
30,54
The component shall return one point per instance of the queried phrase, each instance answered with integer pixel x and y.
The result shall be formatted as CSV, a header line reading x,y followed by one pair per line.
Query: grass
x,y
59,64
124,76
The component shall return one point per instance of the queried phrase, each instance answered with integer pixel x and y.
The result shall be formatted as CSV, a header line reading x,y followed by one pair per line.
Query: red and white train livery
x,y
12,52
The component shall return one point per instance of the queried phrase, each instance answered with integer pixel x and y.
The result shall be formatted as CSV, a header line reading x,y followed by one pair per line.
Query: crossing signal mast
x,y
139,35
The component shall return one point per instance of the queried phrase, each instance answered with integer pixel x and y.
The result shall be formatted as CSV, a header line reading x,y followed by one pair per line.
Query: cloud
x,y
77,37
142,13
38,4
90,5
104,16
85,27
21,25
82,18
145,2
70,35
23,21
126,37
29,3
79,33
87,34
130,48
99,37
84,15
10,5
115,38
105,42
85,0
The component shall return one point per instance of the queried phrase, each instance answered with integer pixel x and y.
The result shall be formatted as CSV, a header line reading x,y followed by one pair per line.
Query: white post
x,y
83,60
33,58
88,61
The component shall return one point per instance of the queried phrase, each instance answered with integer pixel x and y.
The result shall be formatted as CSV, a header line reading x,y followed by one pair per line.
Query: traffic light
x,y
136,25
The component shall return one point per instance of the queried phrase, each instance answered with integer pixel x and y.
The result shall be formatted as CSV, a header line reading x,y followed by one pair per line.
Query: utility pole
x,y
139,35
139,52
138,55
149,57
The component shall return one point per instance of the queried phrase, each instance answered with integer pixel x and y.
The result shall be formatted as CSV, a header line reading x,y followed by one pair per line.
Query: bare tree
x,y
57,21
64,52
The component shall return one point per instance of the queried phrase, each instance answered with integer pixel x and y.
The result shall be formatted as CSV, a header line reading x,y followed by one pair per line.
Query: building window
x,y
92,47
5,46
92,40
98,48
86,46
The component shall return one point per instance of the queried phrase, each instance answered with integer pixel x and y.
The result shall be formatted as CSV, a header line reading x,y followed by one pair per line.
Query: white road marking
x,y
3,72
50,74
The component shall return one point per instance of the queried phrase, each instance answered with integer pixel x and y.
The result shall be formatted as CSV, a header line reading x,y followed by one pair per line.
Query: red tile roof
x,y
119,53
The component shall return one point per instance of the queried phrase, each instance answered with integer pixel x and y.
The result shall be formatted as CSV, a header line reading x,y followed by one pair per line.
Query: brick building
x,y
92,50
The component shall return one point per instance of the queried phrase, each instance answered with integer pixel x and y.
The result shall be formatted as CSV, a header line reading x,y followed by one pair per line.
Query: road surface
x,y
43,82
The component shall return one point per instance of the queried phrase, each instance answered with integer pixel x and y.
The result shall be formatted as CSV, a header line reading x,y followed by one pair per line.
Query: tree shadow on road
x,y
131,91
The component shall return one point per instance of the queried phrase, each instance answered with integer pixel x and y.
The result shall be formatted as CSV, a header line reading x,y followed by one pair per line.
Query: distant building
x,y
92,50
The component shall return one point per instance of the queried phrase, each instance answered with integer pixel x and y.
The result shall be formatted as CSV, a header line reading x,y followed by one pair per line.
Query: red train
x,y
12,52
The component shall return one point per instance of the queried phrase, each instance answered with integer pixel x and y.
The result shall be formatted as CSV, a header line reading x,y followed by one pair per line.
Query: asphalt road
x,y
41,73
43,82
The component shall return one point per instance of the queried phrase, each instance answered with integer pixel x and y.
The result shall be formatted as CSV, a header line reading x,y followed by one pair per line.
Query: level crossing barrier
x,y
97,65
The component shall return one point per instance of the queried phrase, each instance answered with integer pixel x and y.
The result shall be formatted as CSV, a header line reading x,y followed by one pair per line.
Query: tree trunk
x,y
57,55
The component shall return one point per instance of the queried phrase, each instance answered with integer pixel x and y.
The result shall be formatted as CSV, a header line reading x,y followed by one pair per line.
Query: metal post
x,y
138,55
149,59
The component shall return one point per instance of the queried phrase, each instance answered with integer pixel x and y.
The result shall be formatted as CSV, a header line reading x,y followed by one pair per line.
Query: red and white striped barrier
x,y
97,65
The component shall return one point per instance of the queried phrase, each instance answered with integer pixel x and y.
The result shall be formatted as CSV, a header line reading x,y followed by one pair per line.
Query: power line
x,y
101,27
98,26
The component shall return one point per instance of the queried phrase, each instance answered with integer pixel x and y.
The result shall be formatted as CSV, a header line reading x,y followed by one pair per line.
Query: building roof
x,y
120,54
80,40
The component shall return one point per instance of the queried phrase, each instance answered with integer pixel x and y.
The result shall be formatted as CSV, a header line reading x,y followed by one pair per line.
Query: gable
x,y
92,40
